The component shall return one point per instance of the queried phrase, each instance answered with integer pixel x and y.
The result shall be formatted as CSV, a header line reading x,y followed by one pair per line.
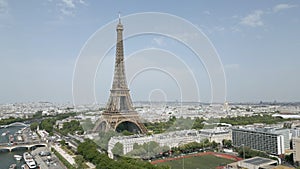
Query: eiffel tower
x,y
119,114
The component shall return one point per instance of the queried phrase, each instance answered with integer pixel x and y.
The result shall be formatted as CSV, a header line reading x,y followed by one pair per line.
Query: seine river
x,y
6,157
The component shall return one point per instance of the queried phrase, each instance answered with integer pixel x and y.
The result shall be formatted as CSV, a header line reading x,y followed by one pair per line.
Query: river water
x,y
6,157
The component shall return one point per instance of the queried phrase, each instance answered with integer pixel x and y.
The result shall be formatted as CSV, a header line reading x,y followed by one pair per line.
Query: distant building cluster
x,y
27,110
162,112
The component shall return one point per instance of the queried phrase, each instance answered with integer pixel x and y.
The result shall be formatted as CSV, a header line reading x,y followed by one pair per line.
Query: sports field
x,y
197,162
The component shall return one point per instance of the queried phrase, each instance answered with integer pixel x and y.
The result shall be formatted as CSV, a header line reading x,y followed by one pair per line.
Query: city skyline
x,y
257,43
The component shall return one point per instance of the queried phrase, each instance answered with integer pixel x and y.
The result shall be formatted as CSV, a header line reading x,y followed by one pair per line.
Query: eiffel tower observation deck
x,y
119,114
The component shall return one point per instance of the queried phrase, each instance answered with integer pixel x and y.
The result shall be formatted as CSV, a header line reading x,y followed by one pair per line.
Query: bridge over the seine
x,y
28,145
15,124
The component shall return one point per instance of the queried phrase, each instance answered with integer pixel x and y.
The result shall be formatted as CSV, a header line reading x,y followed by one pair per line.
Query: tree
x,y
160,127
33,126
79,161
88,149
118,149
11,120
206,141
105,137
198,123
38,115
62,142
227,143
147,149
214,144
182,124
289,158
87,124
127,133
72,127
268,119
47,124
136,146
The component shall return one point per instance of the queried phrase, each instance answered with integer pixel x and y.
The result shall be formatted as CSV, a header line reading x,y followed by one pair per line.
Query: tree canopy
x,y
175,124
118,149
88,149
241,120
33,126
72,127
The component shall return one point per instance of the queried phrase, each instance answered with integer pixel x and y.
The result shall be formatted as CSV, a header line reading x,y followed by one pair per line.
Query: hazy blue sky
x,y
258,43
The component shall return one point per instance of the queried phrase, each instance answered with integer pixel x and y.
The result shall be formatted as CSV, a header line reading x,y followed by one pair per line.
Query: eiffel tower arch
x,y
119,113
119,122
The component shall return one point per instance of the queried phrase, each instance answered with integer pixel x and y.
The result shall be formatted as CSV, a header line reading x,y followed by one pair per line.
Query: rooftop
x,y
258,161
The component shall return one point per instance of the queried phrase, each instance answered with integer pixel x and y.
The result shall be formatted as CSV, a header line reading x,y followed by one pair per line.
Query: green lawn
x,y
200,162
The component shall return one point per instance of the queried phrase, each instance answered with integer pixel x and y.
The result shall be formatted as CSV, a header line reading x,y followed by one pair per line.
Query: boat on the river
x,y
29,160
5,133
13,166
19,138
17,157
19,132
11,138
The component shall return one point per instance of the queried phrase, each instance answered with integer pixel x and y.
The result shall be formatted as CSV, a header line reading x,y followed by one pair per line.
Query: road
x,y
67,156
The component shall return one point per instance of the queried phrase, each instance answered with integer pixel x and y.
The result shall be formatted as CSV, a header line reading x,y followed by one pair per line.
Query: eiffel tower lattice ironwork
x,y
119,113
